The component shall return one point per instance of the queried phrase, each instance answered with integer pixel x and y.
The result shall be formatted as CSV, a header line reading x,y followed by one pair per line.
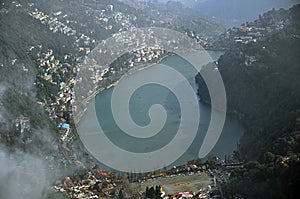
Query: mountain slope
x,y
262,87
176,14
41,45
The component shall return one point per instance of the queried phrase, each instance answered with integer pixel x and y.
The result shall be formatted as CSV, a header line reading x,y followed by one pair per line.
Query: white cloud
x,y
22,176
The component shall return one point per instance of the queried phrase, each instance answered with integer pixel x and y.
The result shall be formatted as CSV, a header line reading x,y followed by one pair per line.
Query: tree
x,y
157,192
151,193
147,192
121,195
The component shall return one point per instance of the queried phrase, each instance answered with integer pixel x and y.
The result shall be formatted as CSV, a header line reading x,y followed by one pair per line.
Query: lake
x,y
140,103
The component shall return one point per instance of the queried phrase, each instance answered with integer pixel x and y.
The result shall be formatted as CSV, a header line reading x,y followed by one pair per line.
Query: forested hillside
x,y
262,86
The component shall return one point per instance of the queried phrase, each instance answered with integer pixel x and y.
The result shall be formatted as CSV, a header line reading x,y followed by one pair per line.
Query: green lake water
x,y
140,102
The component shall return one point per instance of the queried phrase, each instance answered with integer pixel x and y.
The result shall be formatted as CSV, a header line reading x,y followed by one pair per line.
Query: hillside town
x,y
203,180
57,74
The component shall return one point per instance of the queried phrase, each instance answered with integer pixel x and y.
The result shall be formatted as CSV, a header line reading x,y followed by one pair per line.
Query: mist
x,y
22,175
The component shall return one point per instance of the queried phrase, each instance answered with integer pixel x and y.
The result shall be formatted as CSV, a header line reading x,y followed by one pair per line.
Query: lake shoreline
x,y
228,140
130,72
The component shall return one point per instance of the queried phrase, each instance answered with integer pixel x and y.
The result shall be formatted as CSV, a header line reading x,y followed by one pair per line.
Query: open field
x,y
180,183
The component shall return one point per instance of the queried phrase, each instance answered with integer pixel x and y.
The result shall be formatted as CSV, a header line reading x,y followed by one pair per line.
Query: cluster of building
x,y
103,77
204,41
97,183
59,72
107,17
22,123
54,24
56,79
204,194
23,126
219,170
145,55
253,31
60,75
58,23
94,184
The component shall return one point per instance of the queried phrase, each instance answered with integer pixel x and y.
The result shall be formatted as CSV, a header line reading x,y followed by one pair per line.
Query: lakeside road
x,y
179,183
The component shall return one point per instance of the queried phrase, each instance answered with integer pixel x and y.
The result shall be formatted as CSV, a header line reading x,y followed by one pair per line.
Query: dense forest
x,y
262,86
